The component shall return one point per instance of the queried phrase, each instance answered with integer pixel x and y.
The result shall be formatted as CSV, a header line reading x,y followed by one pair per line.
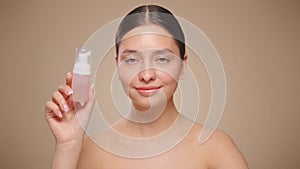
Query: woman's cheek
x,y
168,77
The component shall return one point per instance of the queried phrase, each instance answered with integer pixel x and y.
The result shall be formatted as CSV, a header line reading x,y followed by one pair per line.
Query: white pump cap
x,y
82,65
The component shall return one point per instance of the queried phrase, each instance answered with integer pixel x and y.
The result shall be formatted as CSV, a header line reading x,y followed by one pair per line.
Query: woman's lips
x,y
148,91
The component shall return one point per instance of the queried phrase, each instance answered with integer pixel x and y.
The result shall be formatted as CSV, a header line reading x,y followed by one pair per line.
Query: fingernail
x,y
59,114
70,92
69,73
66,107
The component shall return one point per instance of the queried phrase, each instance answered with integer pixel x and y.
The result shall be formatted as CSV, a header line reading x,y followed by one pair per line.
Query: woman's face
x,y
149,66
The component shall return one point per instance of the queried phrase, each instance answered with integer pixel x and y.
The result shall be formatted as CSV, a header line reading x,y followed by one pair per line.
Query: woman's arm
x,y
65,125
66,155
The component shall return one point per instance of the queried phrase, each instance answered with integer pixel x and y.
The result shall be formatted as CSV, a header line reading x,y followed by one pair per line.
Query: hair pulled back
x,y
151,14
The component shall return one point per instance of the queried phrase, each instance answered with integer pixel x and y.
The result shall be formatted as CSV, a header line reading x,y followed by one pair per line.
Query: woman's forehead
x,y
148,41
147,29
147,37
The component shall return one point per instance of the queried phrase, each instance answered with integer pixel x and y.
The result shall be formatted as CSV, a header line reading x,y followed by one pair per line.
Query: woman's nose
x,y
147,75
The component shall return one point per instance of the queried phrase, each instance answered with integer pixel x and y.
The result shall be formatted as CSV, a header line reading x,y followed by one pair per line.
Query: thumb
x,y
92,98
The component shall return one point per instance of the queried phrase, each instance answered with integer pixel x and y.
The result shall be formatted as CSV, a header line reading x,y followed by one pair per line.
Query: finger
x,y
60,100
69,79
52,108
70,103
65,90
92,97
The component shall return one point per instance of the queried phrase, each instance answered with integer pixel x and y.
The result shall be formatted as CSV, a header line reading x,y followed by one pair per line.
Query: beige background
x,y
258,42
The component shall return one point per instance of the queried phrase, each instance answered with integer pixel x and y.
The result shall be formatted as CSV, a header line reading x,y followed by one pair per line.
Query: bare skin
x,y
218,152
73,150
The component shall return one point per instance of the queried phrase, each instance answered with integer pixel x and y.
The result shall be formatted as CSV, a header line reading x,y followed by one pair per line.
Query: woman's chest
x,y
187,157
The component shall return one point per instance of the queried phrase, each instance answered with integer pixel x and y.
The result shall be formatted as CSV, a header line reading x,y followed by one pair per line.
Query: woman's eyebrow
x,y
126,52
129,51
166,50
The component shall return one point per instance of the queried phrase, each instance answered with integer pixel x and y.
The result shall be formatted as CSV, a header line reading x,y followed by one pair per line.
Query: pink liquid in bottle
x,y
81,85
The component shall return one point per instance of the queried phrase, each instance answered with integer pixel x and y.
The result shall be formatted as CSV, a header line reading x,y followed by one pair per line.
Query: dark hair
x,y
151,14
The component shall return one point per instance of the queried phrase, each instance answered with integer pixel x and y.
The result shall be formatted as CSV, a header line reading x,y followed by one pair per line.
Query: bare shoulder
x,y
222,151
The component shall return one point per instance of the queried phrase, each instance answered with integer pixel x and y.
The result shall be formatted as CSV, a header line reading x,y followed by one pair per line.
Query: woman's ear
x,y
116,59
183,68
117,62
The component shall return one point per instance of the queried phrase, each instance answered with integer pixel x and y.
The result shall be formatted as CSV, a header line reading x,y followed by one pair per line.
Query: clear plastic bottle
x,y
81,77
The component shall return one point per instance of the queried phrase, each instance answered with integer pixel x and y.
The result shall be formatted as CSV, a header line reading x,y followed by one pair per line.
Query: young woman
x,y
149,67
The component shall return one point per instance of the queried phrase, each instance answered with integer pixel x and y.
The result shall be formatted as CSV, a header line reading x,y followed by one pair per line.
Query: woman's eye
x,y
163,60
131,60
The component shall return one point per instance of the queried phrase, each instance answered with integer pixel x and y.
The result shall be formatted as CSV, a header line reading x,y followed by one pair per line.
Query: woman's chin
x,y
141,106
147,106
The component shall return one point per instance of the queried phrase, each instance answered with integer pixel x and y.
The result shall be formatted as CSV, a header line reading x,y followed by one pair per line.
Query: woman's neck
x,y
152,125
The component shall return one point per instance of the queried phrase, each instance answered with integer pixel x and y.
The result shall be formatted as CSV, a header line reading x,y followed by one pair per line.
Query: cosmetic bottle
x,y
81,77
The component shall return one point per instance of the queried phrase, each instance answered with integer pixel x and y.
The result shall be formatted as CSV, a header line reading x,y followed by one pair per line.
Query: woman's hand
x,y
66,122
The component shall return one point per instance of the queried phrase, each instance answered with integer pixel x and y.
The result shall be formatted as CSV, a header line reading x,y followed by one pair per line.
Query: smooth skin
x,y
73,150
